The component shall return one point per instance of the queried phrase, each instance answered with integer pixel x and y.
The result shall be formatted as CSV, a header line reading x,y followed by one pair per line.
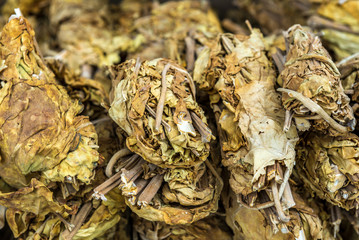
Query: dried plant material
x,y
312,88
120,231
338,24
176,30
92,93
306,221
36,199
109,140
348,68
38,119
250,118
275,15
328,166
275,46
83,219
208,228
154,103
26,6
85,33
173,196
79,87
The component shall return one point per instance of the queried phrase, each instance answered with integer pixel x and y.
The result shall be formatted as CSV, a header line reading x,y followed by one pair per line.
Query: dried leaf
x,y
250,118
142,99
312,85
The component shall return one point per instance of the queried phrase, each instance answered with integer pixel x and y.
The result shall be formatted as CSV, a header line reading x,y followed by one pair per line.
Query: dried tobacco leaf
x,y
40,129
83,218
146,95
312,91
306,222
88,223
275,15
257,151
175,30
208,228
338,24
328,166
36,200
26,6
85,33
92,93
43,137
348,68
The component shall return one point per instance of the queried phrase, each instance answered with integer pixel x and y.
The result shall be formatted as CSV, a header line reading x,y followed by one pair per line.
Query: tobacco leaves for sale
x,y
154,103
328,165
312,87
41,131
209,228
308,220
337,24
150,146
49,158
176,30
259,155
169,177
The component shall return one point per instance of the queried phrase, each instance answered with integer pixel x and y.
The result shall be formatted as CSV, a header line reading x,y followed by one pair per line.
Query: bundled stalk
x,y
173,196
312,90
166,179
260,156
89,220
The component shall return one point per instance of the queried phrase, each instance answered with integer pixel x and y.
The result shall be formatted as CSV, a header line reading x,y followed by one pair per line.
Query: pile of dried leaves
x,y
145,120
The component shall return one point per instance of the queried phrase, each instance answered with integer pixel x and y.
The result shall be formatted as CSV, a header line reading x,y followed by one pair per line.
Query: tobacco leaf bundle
x,y
308,221
328,166
41,132
175,30
312,88
338,25
240,80
209,228
48,155
146,95
274,15
92,93
85,33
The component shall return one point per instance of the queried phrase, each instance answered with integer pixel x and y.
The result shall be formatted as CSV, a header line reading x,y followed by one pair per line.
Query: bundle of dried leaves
x,y
85,34
338,25
165,180
154,102
312,90
176,30
240,80
49,158
329,167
